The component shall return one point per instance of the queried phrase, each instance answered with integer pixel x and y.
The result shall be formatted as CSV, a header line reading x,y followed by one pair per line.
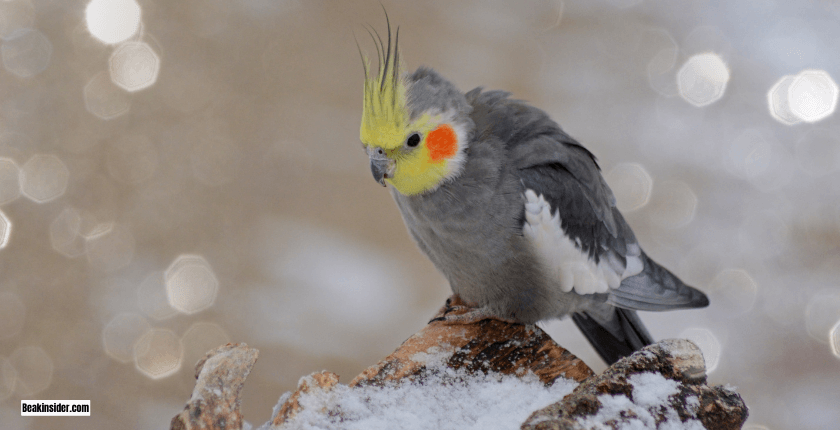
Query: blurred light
x,y
44,178
104,99
122,333
812,95
215,160
754,427
834,339
8,378
112,21
735,291
158,353
708,343
675,205
65,233
132,159
200,338
631,185
779,103
12,315
151,297
9,180
821,314
702,79
818,151
26,52
5,230
110,247
34,370
191,285
15,15
134,66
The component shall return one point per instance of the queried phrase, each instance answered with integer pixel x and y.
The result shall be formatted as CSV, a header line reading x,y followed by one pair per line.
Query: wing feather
x,y
643,284
566,176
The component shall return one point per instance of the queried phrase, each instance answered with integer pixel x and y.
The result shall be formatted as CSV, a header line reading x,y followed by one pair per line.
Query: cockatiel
x,y
513,211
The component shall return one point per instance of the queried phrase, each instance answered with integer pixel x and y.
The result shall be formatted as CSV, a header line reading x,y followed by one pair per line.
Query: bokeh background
x,y
177,175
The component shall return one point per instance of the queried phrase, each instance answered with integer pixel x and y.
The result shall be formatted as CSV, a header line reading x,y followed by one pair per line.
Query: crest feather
x,y
384,114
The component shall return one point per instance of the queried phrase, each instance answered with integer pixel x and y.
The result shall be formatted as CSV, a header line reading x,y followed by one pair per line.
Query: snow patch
x,y
652,389
447,399
435,356
651,398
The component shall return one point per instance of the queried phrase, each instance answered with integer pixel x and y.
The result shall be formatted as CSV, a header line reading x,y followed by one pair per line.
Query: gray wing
x,y
569,180
533,139
555,166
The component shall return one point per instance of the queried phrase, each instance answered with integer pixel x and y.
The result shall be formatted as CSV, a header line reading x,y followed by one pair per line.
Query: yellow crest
x,y
384,115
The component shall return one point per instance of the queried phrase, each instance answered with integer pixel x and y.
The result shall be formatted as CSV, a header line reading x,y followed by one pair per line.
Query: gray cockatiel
x,y
513,211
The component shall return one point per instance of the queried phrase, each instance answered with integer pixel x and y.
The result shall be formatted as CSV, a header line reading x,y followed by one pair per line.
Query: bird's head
x,y
415,128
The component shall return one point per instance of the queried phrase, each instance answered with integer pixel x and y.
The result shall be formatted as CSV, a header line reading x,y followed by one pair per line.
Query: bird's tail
x,y
613,336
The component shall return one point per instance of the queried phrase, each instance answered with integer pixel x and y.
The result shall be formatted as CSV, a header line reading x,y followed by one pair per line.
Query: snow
x,y
652,389
651,397
446,399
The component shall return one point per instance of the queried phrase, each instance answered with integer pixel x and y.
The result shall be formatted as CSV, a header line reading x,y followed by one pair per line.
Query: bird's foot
x,y
457,311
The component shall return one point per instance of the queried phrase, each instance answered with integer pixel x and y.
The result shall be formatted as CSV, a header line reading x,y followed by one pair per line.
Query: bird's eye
x,y
413,140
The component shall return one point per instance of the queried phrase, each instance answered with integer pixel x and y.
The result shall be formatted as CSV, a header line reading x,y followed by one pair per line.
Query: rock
x,y
449,374
220,376
290,406
664,383
487,345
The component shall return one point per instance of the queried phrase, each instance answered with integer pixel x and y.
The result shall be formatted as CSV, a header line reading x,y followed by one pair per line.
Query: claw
x,y
456,311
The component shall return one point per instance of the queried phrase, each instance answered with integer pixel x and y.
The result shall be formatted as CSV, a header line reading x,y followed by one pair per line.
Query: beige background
x,y
245,151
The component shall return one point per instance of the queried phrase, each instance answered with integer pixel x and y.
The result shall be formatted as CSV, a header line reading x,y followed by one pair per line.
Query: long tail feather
x,y
619,337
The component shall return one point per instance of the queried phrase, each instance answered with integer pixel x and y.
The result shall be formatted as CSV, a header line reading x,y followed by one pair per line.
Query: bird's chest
x,y
467,234
445,222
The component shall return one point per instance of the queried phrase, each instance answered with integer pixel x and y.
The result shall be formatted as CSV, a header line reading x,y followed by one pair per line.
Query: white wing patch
x,y
562,258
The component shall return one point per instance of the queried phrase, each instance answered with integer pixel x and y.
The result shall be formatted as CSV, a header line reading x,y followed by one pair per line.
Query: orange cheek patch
x,y
442,143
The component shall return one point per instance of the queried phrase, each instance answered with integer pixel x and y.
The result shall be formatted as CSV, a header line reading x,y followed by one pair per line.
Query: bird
x,y
512,210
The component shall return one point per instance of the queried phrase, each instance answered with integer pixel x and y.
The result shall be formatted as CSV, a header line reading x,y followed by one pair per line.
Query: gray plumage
x,y
471,226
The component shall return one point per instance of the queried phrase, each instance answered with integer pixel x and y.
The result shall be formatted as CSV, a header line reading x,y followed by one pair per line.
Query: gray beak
x,y
380,165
